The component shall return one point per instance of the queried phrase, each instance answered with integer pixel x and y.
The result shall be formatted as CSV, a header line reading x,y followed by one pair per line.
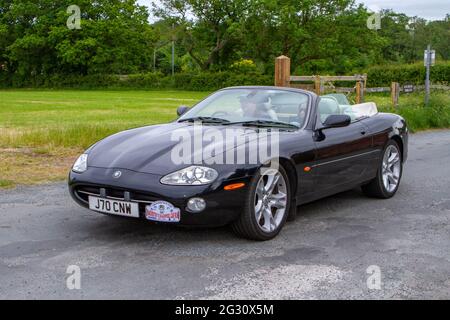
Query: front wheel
x,y
266,207
389,174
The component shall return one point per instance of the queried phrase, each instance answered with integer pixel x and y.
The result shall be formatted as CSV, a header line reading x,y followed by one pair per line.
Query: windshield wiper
x,y
205,120
265,123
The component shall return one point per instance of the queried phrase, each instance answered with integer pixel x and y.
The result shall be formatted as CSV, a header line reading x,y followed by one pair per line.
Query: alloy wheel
x,y
270,200
391,168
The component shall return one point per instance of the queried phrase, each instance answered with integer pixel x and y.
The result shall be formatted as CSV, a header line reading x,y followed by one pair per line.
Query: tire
x,y
378,187
259,196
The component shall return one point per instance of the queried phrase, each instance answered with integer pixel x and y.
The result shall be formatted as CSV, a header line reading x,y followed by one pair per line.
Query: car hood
x,y
149,149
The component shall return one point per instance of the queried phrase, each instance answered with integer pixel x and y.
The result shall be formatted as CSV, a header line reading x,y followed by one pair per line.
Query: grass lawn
x,y
435,115
42,132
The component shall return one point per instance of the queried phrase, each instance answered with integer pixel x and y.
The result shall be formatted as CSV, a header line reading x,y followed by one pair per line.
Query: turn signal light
x,y
234,186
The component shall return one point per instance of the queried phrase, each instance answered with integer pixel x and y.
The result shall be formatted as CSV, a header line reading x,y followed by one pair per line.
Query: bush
x,y
206,81
243,65
412,108
382,76
59,81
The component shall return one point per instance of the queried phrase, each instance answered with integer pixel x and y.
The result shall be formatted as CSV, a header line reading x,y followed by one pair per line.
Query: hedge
x,y
207,81
383,76
378,76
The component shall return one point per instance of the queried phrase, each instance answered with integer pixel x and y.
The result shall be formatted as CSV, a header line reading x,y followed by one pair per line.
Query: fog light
x,y
196,205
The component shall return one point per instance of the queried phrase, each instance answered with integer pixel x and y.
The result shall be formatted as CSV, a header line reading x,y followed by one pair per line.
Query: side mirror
x,y
182,110
337,121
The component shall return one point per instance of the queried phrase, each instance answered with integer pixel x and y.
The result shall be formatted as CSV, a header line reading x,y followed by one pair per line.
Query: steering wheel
x,y
218,114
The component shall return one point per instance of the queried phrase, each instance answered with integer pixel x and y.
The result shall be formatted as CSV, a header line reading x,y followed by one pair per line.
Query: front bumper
x,y
222,207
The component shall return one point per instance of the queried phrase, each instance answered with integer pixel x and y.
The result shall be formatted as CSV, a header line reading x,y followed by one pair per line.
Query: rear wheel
x,y
387,181
267,205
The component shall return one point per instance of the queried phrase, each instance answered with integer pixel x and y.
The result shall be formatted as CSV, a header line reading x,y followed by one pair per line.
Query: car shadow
x,y
331,204
111,228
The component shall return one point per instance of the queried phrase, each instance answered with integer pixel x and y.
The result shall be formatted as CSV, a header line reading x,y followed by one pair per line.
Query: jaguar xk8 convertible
x,y
209,167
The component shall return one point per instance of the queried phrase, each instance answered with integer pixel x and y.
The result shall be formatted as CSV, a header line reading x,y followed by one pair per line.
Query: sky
x,y
428,9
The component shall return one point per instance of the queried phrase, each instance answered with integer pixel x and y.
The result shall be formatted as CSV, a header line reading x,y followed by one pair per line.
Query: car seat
x,y
328,106
269,109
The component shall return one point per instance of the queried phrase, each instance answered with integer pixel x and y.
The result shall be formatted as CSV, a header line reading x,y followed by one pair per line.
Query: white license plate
x,y
115,207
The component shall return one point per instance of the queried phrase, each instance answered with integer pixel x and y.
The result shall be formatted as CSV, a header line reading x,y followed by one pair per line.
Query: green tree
x,y
407,37
115,37
437,34
208,29
317,35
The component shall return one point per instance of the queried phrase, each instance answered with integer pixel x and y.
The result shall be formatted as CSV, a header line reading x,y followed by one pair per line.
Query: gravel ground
x,y
325,254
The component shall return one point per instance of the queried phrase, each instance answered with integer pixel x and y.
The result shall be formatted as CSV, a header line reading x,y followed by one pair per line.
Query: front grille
x,y
83,193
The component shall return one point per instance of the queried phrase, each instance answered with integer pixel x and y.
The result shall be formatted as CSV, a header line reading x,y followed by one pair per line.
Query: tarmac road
x,y
324,254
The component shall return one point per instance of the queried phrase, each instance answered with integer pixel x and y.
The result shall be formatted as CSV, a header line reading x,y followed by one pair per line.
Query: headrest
x,y
258,99
328,106
255,97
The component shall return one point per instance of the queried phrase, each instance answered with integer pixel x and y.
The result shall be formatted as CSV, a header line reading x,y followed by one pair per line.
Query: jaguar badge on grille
x,y
117,174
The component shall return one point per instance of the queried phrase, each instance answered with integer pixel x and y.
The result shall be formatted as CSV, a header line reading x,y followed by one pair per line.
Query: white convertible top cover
x,y
367,109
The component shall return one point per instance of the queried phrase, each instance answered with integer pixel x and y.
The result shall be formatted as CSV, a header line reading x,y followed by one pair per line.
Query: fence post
x,y
358,92
318,85
282,71
395,93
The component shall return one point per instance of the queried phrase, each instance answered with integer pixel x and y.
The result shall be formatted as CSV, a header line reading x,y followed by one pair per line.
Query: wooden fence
x,y
322,84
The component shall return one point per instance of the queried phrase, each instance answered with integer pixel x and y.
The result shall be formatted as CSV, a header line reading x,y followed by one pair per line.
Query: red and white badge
x,y
162,211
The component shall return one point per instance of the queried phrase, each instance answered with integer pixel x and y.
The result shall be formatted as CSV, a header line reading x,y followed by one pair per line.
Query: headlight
x,y
193,175
80,165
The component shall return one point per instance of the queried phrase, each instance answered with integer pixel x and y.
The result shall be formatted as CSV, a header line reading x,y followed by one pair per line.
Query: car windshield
x,y
250,106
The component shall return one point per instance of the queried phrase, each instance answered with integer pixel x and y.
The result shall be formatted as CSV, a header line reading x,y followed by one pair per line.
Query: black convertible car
x,y
208,168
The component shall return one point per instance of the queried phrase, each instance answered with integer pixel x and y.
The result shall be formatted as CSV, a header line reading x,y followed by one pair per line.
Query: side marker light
x,y
234,186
